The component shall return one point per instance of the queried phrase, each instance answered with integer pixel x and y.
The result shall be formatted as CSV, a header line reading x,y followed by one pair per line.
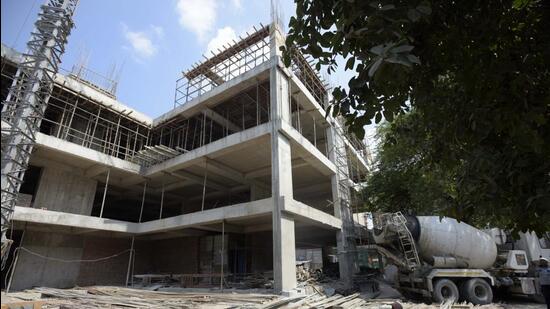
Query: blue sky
x,y
153,41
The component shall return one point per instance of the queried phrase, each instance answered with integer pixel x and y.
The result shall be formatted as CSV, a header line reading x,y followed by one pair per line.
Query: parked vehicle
x,y
442,258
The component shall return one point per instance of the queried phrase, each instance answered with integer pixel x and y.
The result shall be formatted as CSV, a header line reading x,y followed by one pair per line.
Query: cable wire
x,y
72,261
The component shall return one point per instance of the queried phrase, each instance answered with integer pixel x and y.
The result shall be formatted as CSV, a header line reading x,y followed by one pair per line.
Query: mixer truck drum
x,y
414,226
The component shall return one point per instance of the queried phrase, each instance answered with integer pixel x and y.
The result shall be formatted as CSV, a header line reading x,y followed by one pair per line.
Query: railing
x,y
232,61
104,84
302,68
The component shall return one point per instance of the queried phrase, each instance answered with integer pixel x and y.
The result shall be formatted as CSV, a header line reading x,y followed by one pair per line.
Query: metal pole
x,y
70,120
130,261
115,143
204,184
314,133
60,128
95,127
142,201
257,105
105,193
161,201
211,124
222,252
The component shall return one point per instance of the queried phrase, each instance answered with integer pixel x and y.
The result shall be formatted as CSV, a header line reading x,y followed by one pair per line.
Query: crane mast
x,y
24,108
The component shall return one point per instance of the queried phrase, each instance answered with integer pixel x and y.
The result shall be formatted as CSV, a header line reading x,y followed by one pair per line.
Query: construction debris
x,y
118,297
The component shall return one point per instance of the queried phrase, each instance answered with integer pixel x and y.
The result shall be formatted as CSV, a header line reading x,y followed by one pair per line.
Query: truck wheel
x,y
445,289
478,291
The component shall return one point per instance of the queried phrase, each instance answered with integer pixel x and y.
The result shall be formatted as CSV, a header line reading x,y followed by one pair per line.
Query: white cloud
x,y
237,4
198,16
141,42
158,30
223,36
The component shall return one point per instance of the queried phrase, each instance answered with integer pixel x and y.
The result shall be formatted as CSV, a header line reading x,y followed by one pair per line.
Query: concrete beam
x,y
312,215
198,179
221,120
95,171
176,234
229,228
219,193
225,171
228,172
176,185
264,171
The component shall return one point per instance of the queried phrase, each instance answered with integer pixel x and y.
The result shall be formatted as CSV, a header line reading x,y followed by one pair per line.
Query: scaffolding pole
x,y
104,193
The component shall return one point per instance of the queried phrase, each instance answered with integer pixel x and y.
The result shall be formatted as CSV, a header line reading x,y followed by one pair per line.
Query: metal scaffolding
x,y
24,107
73,117
232,61
302,68
246,109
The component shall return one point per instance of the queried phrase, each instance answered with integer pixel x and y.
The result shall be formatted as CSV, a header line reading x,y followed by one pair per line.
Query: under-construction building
x,y
241,177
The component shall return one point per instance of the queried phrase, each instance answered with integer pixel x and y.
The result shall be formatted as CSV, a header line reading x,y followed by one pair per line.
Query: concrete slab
x,y
308,151
313,216
93,156
210,216
228,144
49,217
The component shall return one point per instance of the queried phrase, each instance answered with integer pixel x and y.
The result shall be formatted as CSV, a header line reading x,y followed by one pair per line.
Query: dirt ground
x,y
116,297
509,304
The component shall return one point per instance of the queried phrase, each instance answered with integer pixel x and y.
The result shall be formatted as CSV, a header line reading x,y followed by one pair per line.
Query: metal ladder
x,y
406,240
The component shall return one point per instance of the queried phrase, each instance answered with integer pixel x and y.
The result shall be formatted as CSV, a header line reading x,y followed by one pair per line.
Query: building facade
x,y
245,169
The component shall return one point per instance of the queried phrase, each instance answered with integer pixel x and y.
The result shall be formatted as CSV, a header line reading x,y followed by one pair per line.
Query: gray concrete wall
x,y
107,272
62,190
260,251
176,255
32,270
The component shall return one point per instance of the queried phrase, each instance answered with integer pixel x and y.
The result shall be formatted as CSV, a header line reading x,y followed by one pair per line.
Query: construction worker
x,y
544,280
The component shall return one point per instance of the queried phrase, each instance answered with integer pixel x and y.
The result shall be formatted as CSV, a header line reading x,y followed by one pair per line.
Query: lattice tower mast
x,y
26,102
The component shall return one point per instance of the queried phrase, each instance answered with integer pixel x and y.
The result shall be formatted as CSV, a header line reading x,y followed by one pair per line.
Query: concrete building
x,y
245,170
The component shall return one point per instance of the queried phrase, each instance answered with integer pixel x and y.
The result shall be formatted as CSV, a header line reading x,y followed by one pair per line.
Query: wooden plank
x,y
340,300
327,300
32,304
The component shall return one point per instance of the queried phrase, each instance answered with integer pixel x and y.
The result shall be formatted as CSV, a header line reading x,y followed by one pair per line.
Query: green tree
x,y
476,76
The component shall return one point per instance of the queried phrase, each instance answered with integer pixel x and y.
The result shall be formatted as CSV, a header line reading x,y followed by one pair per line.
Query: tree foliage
x,y
468,83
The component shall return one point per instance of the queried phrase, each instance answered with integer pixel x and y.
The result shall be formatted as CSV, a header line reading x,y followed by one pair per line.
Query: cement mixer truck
x,y
442,258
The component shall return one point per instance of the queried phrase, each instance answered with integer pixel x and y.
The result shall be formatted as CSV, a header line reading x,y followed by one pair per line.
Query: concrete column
x,y
345,241
284,254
